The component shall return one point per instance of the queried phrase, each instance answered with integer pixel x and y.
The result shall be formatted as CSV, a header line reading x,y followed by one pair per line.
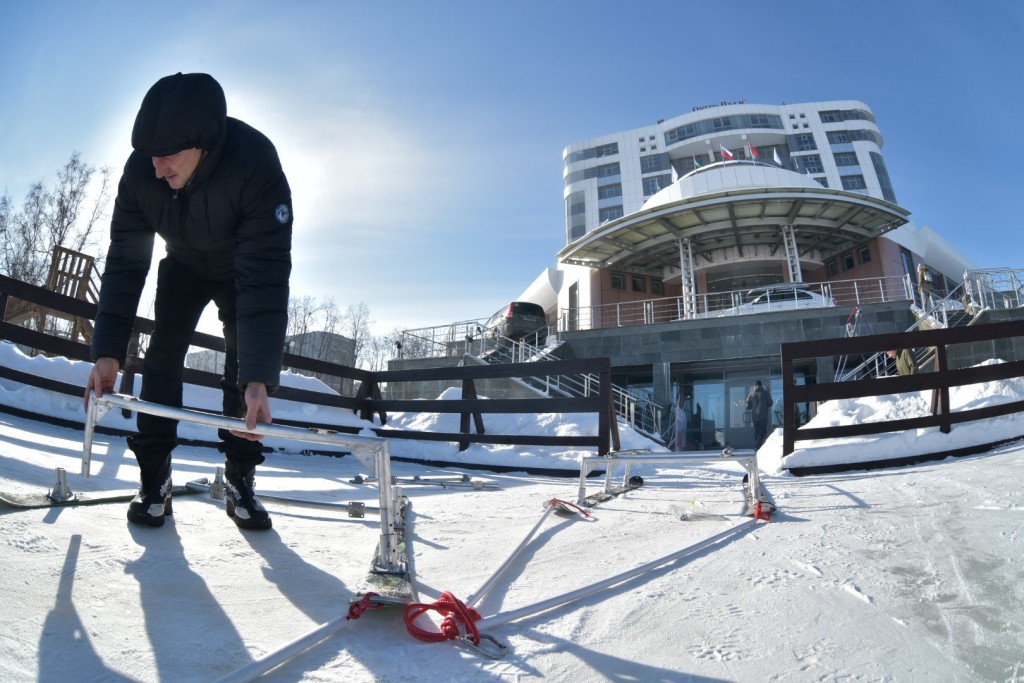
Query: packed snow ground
x,y
902,574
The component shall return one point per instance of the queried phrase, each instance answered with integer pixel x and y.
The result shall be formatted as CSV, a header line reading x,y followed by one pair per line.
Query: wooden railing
x,y
939,381
368,401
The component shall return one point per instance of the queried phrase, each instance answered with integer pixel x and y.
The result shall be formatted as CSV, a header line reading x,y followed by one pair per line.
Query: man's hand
x,y
257,409
101,379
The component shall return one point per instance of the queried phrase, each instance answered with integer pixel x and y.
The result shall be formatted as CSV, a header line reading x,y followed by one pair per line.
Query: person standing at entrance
x,y
759,403
213,189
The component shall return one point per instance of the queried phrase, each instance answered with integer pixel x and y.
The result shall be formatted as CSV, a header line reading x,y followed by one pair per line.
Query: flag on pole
x,y
726,154
696,164
775,153
752,151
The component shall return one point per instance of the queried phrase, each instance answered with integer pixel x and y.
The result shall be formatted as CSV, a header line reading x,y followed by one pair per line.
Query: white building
x,y
734,196
837,143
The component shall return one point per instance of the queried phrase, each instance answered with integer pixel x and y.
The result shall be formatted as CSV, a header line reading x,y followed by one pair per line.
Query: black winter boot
x,y
153,501
242,504
151,504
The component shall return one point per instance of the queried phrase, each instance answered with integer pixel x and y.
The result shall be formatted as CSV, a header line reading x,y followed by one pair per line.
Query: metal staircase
x,y
981,290
636,409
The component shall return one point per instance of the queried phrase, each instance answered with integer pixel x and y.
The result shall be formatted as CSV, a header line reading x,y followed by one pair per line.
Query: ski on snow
x,y
759,503
634,483
46,500
392,585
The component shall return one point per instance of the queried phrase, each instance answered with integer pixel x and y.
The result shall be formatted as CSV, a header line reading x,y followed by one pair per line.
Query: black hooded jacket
x,y
233,221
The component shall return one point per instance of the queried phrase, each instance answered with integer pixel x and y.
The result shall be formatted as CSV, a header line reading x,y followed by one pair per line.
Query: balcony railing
x,y
709,305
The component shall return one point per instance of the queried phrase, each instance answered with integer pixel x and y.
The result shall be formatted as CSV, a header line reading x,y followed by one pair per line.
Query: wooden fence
x,y
368,402
939,381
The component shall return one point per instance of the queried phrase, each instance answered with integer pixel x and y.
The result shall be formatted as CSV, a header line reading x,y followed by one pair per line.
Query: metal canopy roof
x,y
825,221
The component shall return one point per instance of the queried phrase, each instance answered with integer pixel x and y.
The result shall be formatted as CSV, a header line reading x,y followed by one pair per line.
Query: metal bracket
x,y
497,652
61,492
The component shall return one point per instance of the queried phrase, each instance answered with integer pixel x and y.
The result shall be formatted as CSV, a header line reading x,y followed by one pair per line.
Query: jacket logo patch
x,y
282,214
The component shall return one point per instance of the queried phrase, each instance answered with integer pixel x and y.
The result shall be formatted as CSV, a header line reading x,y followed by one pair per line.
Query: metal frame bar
x,y
627,458
373,452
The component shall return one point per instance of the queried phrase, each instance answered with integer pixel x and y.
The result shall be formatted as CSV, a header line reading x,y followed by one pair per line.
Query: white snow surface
x,y
902,574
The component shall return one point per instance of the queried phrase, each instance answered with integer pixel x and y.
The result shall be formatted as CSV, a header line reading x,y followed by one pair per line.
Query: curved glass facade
x,y
721,124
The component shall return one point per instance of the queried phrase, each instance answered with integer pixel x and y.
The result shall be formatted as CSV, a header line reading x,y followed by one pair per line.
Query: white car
x,y
779,298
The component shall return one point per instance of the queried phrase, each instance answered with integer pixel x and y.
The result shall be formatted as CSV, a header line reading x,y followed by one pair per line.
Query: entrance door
x,y
739,434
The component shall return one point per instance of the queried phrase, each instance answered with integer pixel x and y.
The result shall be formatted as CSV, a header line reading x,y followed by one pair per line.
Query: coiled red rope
x,y
357,609
566,504
455,613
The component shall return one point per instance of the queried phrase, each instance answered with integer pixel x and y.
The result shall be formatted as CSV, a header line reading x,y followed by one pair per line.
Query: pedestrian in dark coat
x,y
906,364
759,403
213,189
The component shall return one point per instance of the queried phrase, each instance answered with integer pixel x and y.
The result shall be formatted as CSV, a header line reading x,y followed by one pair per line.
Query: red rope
x,y
357,609
454,611
557,501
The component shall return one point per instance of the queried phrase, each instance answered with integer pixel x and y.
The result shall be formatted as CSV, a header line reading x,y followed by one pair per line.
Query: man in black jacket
x,y
759,403
213,189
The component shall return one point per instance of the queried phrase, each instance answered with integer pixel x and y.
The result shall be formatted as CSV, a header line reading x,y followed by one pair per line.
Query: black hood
x,y
180,112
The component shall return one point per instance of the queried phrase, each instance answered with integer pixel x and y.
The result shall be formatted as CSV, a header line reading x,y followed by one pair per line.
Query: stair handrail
x,y
935,315
641,413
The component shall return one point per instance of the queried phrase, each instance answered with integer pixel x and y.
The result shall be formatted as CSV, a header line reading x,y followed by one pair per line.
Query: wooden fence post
x,y
469,393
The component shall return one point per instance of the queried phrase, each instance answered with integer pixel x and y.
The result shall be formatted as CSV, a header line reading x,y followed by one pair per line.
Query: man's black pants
x,y
181,296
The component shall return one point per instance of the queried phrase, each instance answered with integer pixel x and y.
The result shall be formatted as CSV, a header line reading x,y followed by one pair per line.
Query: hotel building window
x,y
654,184
576,215
610,214
804,142
854,182
846,159
608,150
653,163
810,164
883,177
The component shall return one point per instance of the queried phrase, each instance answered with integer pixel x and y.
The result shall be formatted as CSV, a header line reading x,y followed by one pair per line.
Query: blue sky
x,y
423,140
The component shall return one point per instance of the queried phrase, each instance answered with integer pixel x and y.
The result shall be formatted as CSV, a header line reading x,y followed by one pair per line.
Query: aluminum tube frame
x,y
473,599
587,463
586,591
203,486
286,653
373,451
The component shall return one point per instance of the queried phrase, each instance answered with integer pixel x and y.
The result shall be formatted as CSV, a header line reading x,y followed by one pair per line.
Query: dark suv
x,y
517,320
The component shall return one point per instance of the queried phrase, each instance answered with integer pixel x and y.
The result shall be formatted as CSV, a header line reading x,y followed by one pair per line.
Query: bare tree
x,y
66,202
50,219
356,326
302,314
330,321
378,351
23,253
308,314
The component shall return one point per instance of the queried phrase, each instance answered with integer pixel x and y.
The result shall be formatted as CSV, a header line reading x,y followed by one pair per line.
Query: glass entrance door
x,y
739,433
